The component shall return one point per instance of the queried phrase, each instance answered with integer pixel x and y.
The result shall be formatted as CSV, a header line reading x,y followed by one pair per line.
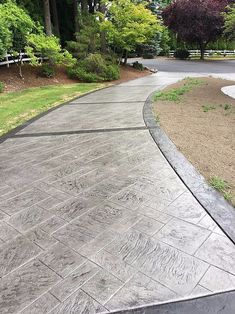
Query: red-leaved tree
x,y
196,21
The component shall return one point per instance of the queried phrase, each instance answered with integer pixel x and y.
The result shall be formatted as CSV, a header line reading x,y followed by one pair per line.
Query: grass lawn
x,y
18,107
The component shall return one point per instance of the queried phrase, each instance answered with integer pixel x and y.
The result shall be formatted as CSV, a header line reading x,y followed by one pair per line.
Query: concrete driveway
x,y
172,65
93,217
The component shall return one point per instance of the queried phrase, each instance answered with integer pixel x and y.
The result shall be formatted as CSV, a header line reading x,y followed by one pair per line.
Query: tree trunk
x,y
202,49
125,57
47,17
75,14
55,17
91,5
102,9
84,6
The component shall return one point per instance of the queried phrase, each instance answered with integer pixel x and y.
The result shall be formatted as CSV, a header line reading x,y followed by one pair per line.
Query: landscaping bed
x,y
32,78
200,120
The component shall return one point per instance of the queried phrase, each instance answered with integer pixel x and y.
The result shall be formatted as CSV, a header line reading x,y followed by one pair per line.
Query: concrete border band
x,y
215,205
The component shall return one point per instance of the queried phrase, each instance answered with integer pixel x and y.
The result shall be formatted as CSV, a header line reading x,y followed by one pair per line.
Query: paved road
x,y
94,219
171,65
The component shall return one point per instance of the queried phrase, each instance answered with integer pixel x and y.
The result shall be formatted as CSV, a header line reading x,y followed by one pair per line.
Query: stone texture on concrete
x,y
97,221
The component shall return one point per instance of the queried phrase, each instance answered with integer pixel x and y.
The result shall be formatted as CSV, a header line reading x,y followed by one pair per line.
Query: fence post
x,y
8,65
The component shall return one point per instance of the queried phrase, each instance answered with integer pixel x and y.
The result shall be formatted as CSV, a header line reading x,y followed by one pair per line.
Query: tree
x,y
55,17
47,17
229,26
128,24
197,21
15,25
40,46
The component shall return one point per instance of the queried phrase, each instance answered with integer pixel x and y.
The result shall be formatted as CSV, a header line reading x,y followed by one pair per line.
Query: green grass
x,y
18,107
176,93
207,108
221,186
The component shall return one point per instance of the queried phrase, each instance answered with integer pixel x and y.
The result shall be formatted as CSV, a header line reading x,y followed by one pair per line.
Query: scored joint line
x,y
137,128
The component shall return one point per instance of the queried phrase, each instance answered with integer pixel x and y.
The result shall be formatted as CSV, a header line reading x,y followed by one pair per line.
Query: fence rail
x,y
194,53
9,59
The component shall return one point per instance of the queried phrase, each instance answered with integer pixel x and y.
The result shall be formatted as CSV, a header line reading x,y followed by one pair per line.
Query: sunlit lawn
x,y
18,107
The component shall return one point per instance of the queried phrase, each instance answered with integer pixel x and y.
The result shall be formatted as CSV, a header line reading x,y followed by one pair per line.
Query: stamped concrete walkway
x,y
94,219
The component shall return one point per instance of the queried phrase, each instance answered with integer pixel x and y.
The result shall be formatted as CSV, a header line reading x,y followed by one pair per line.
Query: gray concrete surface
x,y
172,65
229,91
96,220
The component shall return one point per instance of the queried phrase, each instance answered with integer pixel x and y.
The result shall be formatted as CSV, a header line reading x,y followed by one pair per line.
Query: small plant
x,y
227,107
181,54
206,108
176,93
138,66
221,186
157,118
2,86
47,70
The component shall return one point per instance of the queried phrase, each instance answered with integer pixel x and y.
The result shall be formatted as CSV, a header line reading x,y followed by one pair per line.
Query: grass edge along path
x,y
18,107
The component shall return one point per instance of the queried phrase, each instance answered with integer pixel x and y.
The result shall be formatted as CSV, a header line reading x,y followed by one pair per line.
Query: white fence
x,y
195,53
9,59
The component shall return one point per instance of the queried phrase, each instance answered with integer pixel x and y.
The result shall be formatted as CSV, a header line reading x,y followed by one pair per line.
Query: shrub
x,y
82,75
112,72
181,54
95,68
47,70
138,66
2,86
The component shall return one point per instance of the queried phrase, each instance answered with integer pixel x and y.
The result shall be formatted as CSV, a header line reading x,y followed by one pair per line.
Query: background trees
x,y
229,26
129,25
198,21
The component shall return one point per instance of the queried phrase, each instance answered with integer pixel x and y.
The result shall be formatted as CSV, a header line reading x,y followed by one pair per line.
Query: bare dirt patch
x,y
12,81
202,126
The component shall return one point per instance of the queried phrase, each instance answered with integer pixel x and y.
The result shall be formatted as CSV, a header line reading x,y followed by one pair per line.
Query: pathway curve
x,y
94,219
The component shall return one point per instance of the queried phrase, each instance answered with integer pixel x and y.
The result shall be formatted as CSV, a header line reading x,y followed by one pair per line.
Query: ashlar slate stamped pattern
x,y
94,222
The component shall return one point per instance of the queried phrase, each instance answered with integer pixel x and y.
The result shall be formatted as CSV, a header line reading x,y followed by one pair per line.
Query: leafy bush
x,y
83,75
40,45
2,87
95,68
181,54
138,66
47,70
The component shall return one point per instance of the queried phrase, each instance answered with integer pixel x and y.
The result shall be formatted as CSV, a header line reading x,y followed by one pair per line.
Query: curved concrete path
x,y
94,219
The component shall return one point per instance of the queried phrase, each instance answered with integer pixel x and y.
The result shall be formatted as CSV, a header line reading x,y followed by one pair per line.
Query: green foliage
x,y
221,186
84,76
164,41
87,40
181,54
128,24
95,68
40,45
15,25
229,26
175,94
2,86
47,70
207,108
138,66
152,48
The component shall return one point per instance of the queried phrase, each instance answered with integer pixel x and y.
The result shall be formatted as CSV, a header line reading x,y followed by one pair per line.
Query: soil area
x,y
12,81
202,126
